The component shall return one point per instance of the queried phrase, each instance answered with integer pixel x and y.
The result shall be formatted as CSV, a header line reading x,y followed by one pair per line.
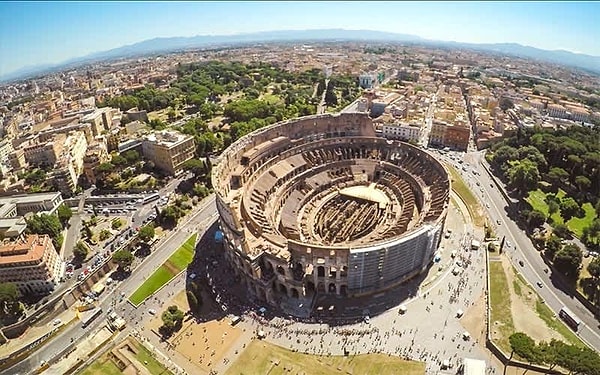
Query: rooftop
x,y
30,248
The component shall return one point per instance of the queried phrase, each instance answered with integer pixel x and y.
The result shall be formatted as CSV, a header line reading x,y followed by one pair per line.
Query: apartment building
x,y
46,153
69,166
408,132
168,150
100,119
39,203
95,155
31,263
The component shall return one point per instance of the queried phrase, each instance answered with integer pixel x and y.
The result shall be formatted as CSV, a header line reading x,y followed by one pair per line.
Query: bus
x,y
151,198
93,315
569,318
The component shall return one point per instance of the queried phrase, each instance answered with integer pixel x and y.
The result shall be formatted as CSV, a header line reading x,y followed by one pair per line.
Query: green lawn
x,y
184,255
466,195
263,358
102,366
501,315
153,366
537,200
105,366
177,262
159,278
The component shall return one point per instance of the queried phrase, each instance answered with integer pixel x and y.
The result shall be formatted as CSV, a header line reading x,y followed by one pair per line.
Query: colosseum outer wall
x,y
299,269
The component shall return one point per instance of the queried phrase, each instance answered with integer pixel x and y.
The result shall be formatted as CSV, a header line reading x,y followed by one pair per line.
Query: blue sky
x,y
33,33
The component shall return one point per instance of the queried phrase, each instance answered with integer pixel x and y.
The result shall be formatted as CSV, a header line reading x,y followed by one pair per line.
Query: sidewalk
x,y
34,333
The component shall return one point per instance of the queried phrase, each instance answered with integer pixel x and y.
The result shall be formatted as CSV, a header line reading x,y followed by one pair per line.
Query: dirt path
x,y
523,310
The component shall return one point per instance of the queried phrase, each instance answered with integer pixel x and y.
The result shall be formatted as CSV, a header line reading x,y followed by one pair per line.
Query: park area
x,y
169,269
538,201
263,358
128,357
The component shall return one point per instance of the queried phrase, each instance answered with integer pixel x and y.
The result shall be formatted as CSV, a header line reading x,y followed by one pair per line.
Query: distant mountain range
x,y
163,45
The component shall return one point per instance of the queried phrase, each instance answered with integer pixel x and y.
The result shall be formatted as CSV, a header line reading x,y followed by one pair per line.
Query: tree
x,y
80,251
583,183
553,207
503,154
561,230
506,104
169,215
523,346
523,175
195,166
46,224
132,156
146,233
536,218
552,246
118,160
116,223
569,208
172,319
568,259
9,300
557,175
64,213
594,268
104,234
106,167
192,301
124,258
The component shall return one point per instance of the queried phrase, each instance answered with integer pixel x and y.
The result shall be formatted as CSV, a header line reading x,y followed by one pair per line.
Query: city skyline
x,y
35,33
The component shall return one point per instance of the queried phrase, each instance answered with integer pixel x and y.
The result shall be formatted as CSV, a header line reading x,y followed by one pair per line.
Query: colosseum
x,y
321,205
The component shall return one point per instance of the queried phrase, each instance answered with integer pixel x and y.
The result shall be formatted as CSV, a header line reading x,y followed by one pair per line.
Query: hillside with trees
x,y
555,175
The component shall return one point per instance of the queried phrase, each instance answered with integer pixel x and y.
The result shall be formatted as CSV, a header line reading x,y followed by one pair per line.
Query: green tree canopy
x,y
46,224
522,345
146,233
64,213
568,259
552,246
124,258
80,251
569,208
195,166
523,175
9,300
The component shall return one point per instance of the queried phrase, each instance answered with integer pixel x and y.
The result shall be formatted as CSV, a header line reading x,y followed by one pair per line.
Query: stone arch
x,y
295,293
283,289
321,271
321,287
309,286
280,270
332,288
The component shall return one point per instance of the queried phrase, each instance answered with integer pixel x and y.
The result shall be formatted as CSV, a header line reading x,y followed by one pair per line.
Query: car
x,y
367,319
521,263
539,284
152,312
499,222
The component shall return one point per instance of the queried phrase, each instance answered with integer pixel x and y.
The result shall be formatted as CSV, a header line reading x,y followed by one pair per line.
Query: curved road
x,y
197,222
518,247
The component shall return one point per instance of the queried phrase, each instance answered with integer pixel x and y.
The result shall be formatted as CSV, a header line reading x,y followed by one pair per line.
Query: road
x,y
197,222
520,247
322,105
